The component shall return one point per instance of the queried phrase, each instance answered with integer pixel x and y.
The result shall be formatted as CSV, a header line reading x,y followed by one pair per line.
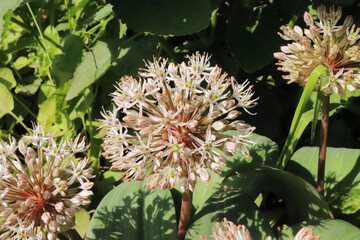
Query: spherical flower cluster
x,y
334,46
173,123
229,231
42,185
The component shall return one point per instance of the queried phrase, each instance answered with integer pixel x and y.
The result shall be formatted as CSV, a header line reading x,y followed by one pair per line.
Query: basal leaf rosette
x,y
327,43
165,126
42,185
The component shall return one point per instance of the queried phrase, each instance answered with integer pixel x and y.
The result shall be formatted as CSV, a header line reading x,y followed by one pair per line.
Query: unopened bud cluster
x,y
174,119
42,185
324,42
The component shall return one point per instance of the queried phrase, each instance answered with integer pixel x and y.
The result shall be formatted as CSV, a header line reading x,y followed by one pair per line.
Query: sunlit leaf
x,y
330,229
131,211
95,63
82,220
101,14
7,6
64,64
7,78
302,201
47,111
342,177
236,207
7,101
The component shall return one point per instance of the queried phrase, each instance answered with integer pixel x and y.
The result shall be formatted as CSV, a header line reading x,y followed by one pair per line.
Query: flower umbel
x,y
177,114
324,42
42,185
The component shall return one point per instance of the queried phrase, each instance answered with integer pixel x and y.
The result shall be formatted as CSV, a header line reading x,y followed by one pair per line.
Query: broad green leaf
x,y
342,177
28,89
236,207
52,41
203,191
105,183
302,200
329,229
295,132
62,125
131,211
47,112
21,62
251,36
169,17
47,89
7,78
82,220
100,14
132,56
64,64
7,101
83,104
264,151
11,40
7,6
94,63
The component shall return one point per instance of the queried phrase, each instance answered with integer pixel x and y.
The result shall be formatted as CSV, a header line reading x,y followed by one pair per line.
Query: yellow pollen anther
x,y
175,148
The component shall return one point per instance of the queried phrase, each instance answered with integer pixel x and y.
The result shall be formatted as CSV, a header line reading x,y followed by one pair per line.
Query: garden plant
x,y
206,119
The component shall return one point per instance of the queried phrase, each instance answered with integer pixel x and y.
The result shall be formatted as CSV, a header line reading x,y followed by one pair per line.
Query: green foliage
x,y
59,61
130,211
164,17
94,64
330,229
342,177
7,101
251,36
296,131
6,12
7,78
236,207
310,206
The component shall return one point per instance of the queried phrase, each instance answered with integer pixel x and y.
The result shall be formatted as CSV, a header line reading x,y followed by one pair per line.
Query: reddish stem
x,y
323,145
185,214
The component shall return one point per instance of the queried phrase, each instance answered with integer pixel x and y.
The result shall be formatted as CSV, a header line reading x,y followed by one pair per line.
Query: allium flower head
x,y
324,42
42,185
174,119
227,230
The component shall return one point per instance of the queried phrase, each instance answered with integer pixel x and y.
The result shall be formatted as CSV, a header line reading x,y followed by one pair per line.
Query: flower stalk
x,y
185,214
323,144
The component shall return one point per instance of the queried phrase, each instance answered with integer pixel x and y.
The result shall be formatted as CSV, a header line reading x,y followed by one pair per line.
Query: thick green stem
x,y
323,145
185,214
